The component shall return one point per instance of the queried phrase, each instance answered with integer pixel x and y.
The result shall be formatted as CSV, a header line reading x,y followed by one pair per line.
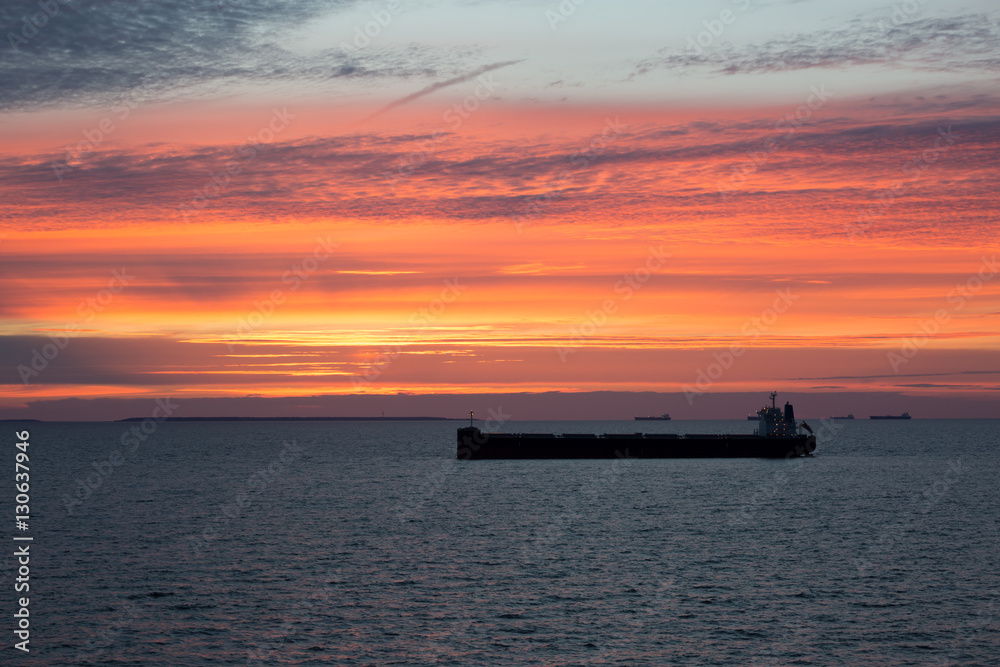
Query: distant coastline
x,y
297,419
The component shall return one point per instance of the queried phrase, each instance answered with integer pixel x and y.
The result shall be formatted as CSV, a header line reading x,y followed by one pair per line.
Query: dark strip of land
x,y
296,419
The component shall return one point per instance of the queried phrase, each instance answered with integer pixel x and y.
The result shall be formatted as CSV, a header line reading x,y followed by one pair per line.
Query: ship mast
x,y
774,394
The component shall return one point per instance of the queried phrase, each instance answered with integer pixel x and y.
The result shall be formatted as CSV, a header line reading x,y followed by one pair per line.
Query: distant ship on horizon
x,y
662,418
851,416
905,415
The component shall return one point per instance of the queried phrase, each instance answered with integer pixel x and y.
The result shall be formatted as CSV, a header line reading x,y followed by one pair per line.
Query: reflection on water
x,y
340,543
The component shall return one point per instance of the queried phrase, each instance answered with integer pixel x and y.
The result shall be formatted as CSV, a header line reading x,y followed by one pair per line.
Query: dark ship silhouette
x,y
778,436
905,415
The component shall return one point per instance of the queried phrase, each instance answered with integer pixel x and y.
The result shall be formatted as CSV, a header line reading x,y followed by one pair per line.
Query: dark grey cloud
x,y
960,43
94,51
671,169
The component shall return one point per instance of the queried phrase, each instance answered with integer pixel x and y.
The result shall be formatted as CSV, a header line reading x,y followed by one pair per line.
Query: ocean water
x,y
325,543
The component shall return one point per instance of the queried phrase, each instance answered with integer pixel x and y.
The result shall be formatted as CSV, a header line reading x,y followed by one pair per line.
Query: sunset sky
x,y
293,199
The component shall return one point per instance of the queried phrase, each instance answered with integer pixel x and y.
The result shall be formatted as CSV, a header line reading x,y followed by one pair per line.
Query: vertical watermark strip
x,y
22,552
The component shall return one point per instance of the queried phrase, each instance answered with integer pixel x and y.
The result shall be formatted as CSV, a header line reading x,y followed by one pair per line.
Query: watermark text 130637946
x,y
22,552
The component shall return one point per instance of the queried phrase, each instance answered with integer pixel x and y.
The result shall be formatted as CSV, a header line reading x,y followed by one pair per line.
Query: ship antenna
x,y
773,395
470,417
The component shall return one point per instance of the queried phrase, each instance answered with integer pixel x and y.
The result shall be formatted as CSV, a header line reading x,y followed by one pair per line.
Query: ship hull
x,y
473,444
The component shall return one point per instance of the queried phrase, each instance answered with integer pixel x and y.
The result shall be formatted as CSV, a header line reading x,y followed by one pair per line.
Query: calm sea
x,y
369,544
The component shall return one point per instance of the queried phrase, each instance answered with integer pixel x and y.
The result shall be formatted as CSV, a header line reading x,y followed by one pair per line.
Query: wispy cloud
x,y
960,43
442,84
666,172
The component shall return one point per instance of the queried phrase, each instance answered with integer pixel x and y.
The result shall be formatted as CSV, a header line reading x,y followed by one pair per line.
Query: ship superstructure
x,y
777,436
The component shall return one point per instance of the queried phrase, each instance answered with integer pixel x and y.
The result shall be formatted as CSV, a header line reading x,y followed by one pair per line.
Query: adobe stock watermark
x,y
381,18
95,136
893,533
754,328
264,308
610,476
930,327
246,153
453,117
408,507
90,481
715,27
624,289
901,13
579,161
785,128
421,318
88,309
250,492
543,538
471,444
767,490
915,168
562,12
31,24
